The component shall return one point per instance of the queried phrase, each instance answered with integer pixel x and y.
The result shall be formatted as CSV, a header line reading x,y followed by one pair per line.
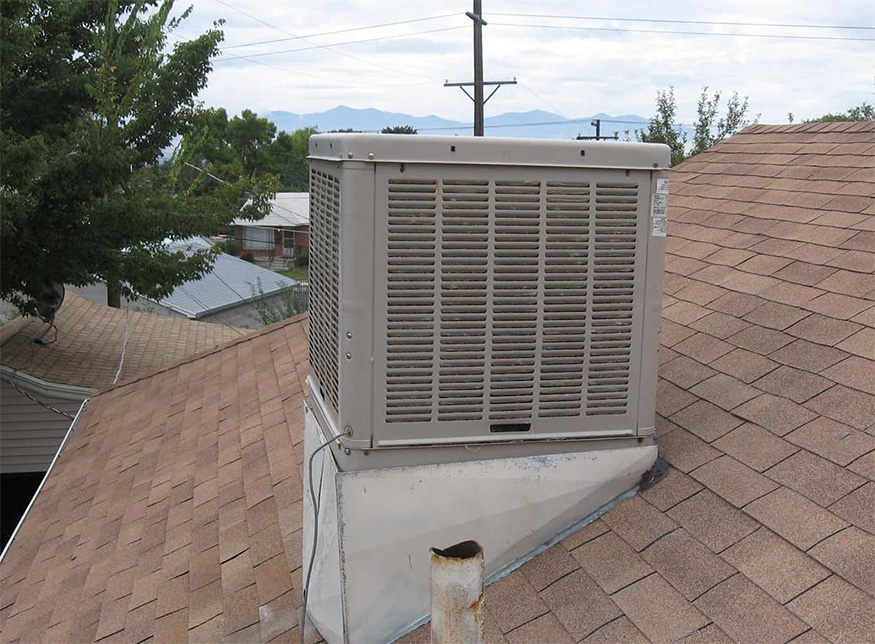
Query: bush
x,y
247,256
303,258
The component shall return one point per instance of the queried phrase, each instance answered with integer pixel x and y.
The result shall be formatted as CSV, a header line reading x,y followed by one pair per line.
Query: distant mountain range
x,y
513,124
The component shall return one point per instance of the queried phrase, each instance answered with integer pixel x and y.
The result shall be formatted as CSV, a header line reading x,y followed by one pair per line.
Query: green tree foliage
x,y
282,305
399,129
662,128
92,96
863,112
248,146
710,127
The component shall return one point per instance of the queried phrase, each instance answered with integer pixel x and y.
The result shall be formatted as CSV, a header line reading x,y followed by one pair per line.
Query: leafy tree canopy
x,y
248,146
92,96
399,129
863,112
709,129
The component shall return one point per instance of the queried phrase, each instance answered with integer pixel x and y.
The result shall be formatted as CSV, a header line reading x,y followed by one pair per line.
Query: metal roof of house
x,y
231,282
287,210
175,510
89,343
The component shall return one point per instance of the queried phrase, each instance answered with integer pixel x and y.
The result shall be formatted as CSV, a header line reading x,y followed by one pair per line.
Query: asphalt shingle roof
x,y
90,338
175,511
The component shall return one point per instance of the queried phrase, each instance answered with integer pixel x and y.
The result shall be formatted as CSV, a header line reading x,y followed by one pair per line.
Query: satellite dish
x,y
48,307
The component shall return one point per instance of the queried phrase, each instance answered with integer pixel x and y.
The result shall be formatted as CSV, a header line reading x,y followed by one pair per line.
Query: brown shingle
x,y
671,398
820,480
744,365
794,517
776,566
703,347
685,451
684,312
658,610
579,603
843,307
685,372
804,273
746,613
736,304
808,356
638,522
823,330
584,534
855,372
850,553
734,481
545,628
712,520
552,564
705,420
861,343
795,384
611,562
512,602
838,610
619,630
845,405
858,507
671,490
755,447
776,316
760,340
719,325
839,443
686,564
724,391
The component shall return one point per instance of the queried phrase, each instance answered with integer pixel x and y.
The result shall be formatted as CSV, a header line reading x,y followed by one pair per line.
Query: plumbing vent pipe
x,y
457,576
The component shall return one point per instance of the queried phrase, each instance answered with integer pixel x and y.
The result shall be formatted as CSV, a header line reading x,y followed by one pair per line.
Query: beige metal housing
x,y
483,298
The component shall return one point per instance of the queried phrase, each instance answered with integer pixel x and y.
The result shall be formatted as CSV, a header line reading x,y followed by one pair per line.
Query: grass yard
x,y
295,273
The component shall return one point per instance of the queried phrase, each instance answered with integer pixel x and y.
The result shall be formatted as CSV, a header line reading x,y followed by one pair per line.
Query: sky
x,y
612,65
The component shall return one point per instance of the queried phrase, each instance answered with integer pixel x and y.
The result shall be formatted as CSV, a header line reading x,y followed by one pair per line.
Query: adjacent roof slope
x,y
175,511
287,210
89,343
230,283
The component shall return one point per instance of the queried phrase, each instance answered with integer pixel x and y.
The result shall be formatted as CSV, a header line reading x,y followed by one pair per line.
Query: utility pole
x,y
479,102
597,124
477,18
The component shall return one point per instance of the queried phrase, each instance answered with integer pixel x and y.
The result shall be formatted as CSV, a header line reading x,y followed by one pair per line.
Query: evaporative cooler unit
x,y
482,311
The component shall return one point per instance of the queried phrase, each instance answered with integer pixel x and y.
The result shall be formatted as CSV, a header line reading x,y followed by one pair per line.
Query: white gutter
x,y
45,387
45,478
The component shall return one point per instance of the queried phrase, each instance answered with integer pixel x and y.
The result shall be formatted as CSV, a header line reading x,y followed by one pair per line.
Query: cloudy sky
x,y
566,65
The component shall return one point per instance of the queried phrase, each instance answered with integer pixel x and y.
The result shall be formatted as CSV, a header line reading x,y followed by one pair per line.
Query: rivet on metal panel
x,y
370,155
347,431
655,165
349,356
349,155
349,335
346,451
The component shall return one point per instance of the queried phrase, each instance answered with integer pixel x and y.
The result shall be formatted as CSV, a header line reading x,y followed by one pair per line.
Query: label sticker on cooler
x,y
659,213
662,186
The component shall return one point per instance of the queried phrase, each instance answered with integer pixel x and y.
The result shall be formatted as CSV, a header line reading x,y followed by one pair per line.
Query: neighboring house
x,y
283,235
175,511
228,294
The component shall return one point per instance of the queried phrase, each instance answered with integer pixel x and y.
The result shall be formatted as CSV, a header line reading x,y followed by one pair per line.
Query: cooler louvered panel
x,y
566,261
325,281
613,290
515,258
410,300
464,269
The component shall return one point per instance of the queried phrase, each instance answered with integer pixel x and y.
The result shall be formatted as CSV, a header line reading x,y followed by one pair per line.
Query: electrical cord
x,y
313,500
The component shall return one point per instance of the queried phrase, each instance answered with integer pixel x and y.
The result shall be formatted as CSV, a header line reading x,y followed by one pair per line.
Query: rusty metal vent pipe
x,y
457,576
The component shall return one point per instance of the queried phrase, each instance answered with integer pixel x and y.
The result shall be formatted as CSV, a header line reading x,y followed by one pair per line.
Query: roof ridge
x,y
809,127
208,352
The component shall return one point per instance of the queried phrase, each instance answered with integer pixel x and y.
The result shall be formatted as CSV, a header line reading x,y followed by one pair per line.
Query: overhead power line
x,y
342,31
543,123
686,22
348,42
328,47
685,33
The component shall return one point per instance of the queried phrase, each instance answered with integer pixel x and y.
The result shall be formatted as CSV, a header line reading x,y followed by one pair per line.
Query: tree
x,y
662,128
92,97
863,112
289,153
399,129
710,128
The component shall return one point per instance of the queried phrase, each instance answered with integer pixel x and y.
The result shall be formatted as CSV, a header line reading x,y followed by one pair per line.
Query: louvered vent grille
x,y
566,267
509,301
515,300
410,300
325,282
613,283
463,298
